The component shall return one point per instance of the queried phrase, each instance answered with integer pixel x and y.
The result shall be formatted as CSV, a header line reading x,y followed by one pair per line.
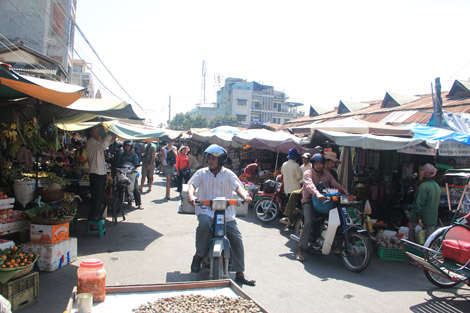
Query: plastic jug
x,y
92,279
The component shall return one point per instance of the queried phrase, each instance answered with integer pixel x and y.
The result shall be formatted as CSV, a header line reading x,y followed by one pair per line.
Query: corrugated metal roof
x,y
349,106
418,111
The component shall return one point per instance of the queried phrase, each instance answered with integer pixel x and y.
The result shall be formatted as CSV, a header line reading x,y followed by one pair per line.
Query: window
x,y
242,101
241,118
275,105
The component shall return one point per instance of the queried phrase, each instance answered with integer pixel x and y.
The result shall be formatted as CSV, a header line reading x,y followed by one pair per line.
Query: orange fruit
x,y
4,257
15,248
3,266
10,266
8,263
21,264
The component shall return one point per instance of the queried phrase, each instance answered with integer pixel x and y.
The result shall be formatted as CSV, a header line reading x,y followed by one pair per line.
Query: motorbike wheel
x,y
218,267
266,210
359,254
298,227
437,259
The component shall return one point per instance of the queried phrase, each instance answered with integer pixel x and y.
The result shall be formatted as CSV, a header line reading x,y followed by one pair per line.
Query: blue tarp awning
x,y
435,134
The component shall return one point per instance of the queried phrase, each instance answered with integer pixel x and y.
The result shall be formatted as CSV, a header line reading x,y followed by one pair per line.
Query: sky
x,y
317,52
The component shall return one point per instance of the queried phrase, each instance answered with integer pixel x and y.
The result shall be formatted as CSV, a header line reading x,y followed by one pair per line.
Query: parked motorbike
x,y
271,201
333,231
219,250
124,181
445,256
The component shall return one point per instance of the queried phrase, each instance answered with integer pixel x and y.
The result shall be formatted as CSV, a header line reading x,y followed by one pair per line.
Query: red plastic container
x,y
92,279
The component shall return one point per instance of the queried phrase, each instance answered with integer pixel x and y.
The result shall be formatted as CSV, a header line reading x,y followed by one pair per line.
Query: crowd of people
x,y
178,165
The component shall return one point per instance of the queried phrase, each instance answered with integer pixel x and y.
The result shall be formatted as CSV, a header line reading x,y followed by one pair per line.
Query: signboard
x,y
453,148
418,149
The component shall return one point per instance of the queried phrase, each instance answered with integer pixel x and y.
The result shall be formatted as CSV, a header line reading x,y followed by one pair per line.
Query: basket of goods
x,y
47,215
53,188
15,263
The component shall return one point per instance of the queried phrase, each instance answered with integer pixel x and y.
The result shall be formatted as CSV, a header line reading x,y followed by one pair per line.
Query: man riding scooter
x,y
211,182
129,156
312,177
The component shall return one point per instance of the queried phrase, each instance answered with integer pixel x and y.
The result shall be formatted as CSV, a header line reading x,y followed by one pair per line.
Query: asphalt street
x,y
156,245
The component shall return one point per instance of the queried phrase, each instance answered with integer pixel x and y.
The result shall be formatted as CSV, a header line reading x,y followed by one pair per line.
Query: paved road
x,y
155,245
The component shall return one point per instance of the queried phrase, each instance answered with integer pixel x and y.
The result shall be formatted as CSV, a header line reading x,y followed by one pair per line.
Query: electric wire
x,y
48,23
96,53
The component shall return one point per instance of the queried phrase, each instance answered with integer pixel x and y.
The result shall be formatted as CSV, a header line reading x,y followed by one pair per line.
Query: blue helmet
x,y
217,151
317,158
293,154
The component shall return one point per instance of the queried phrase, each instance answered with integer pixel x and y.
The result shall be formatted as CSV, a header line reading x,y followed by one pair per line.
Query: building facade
x,y
46,26
81,77
254,103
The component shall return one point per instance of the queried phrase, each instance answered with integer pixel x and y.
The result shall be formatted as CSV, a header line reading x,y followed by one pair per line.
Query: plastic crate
x,y
21,292
392,254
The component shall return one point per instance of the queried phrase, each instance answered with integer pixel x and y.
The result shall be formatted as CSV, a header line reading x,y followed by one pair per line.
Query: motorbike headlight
x,y
219,204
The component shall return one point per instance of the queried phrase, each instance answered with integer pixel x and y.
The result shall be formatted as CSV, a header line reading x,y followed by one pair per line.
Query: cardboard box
x,y
53,256
49,233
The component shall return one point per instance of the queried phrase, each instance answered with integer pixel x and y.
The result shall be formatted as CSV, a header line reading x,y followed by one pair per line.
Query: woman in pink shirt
x,y
182,167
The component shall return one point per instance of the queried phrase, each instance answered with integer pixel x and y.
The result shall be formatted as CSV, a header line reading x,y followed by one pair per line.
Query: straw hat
x,y
331,156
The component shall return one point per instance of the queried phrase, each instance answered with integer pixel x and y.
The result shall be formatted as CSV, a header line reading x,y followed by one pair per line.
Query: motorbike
x,y
124,181
445,255
219,250
270,201
333,231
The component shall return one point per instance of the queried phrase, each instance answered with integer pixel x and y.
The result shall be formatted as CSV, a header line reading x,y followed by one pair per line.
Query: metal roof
x,y
417,111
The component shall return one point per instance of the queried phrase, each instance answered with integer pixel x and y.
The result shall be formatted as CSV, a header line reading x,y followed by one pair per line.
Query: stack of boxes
x,y
53,244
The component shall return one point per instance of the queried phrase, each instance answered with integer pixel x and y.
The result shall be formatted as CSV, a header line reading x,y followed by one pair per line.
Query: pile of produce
x,y
14,258
53,214
199,303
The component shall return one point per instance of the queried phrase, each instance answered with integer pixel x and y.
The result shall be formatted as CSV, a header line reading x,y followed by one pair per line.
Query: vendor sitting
x,y
251,171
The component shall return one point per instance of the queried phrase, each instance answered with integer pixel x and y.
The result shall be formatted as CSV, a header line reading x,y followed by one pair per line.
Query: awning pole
x,y
277,157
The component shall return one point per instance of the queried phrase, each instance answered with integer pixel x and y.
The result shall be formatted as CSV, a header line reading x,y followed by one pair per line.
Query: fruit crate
x,y
392,254
21,292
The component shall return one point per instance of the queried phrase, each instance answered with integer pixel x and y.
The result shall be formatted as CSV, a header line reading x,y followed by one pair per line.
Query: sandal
x,y
300,258
285,220
244,281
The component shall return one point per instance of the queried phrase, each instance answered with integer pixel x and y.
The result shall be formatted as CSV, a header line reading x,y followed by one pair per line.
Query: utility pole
x,y
169,111
438,104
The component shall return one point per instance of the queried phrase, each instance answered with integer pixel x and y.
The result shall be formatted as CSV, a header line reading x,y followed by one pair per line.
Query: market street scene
x,y
273,178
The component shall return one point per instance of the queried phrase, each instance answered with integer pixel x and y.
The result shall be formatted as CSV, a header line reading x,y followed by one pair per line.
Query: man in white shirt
x,y
306,165
95,148
291,173
211,182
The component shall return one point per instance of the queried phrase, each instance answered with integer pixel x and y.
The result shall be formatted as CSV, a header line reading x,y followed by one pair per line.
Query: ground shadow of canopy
x,y
125,236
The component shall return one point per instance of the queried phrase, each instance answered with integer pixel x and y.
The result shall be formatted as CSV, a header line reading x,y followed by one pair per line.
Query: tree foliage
x,y
223,120
186,121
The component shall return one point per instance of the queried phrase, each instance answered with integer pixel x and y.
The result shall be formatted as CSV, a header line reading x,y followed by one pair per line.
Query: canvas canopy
x,y
368,141
354,126
278,141
220,138
27,97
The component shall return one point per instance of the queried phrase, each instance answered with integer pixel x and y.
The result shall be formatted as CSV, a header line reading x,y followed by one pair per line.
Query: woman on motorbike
x,y
311,178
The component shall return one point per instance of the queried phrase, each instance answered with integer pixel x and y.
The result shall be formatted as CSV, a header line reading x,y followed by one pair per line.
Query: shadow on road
x,y
445,303
125,236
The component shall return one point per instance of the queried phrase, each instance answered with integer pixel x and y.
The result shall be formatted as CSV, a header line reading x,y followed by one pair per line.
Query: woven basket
x,y
52,195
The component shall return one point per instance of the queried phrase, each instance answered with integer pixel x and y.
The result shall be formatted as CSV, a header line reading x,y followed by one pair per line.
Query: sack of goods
x,y
269,186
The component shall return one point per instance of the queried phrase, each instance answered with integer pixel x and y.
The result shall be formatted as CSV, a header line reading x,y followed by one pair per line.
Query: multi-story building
x,y
81,77
45,26
253,103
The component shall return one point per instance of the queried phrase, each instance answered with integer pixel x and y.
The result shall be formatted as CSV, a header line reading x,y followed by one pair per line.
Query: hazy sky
x,y
318,52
